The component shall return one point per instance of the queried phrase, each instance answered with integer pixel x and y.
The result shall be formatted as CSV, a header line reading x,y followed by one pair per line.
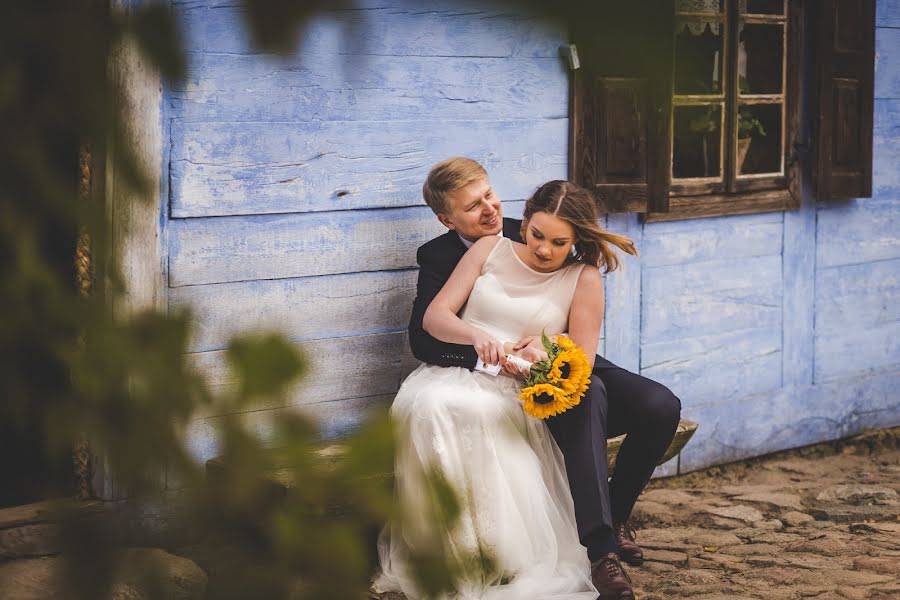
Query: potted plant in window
x,y
747,125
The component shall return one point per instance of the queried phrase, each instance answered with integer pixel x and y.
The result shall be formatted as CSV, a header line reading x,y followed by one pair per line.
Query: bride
x,y
508,474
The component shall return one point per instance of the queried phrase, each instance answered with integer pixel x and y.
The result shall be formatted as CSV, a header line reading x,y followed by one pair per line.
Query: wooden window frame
x,y
757,193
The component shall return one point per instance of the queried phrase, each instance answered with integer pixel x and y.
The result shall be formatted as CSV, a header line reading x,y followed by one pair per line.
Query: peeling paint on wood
x,y
334,419
346,367
746,426
695,240
799,295
886,156
280,246
711,297
887,13
859,296
887,62
858,352
403,29
240,88
858,231
259,168
301,309
623,300
713,368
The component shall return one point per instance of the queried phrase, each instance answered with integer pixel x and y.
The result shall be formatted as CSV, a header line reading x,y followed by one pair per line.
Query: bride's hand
x,y
489,349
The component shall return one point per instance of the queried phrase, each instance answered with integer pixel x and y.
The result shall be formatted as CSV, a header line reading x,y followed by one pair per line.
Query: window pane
x,y
759,139
763,7
760,58
698,57
700,6
697,139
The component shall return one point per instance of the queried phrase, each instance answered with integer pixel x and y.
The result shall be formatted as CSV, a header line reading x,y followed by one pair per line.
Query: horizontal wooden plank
x,y
401,28
886,155
857,231
745,426
225,249
339,368
675,243
709,368
710,297
262,168
335,419
301,309
887,13
228,87
852,297
887,62
857,352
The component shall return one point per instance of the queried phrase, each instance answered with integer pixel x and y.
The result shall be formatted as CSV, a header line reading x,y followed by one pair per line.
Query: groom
x,y
460,194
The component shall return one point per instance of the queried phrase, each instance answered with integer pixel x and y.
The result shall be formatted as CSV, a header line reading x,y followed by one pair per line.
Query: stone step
x,y
277,481
31,530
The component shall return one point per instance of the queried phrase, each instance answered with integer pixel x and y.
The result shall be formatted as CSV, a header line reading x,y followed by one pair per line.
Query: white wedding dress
x,y
504,465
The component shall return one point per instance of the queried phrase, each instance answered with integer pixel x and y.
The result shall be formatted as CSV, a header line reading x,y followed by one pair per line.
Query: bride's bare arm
x,y
586,312
441,320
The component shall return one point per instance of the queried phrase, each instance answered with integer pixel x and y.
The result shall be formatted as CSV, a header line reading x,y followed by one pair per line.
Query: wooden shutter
x,y
845,59
620,106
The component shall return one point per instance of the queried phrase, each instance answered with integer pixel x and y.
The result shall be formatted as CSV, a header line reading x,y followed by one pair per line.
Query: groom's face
x,y
474,211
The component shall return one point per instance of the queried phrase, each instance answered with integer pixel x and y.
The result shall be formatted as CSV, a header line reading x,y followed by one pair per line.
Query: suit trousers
x,y
616,402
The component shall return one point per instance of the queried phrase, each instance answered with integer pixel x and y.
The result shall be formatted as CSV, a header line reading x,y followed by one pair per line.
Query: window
x,y
706,121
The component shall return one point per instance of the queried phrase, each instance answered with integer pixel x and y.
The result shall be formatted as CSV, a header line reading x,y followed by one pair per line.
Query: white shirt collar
x,y
468,244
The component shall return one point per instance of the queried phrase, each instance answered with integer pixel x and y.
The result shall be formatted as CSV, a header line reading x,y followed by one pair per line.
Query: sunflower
x,y
564,342
544,400
558,383
571,371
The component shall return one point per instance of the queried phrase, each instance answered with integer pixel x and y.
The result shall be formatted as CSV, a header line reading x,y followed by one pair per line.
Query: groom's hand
x,y
530,348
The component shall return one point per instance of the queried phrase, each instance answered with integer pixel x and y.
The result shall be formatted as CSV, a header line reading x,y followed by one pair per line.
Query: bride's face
x,y
549,240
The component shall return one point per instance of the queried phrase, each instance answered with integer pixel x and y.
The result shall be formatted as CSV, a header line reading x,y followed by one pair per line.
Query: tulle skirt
x,y
510,481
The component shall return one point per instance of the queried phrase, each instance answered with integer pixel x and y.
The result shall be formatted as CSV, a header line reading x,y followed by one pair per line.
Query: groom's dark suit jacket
x,y
437,259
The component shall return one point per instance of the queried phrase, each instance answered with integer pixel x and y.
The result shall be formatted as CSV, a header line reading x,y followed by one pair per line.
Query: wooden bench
x,y
278,481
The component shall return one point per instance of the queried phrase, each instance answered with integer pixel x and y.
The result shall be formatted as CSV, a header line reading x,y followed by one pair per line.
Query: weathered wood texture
x,y
302,309
887,13
465,28
258,168
218,250
737,428
295,203
711,314
137,232
295,182
623,298
887,62
307,87
885,174
344,367
335,419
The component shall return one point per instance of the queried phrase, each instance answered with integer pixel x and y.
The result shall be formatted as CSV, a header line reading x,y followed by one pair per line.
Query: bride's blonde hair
x,y
575,205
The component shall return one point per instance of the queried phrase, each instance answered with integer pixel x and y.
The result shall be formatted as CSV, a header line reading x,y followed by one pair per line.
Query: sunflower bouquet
x,y
558,383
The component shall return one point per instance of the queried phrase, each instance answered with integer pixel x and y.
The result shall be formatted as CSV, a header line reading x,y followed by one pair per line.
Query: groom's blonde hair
x,y
446,176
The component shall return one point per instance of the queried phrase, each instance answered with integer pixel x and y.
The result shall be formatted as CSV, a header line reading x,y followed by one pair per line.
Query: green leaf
x,y
264,364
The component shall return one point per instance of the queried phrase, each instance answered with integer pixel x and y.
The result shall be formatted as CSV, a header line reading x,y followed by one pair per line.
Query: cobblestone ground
x,y
820,522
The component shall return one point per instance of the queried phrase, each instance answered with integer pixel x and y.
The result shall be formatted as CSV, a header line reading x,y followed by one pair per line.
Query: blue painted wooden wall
x,y
294,202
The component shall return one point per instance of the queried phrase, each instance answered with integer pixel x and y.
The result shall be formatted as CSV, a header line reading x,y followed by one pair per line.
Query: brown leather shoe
x,y
630,552
610,579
